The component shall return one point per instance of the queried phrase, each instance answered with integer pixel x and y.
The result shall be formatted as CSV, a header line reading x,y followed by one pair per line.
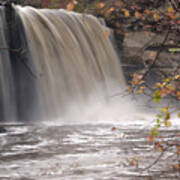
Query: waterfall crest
x,y
65,59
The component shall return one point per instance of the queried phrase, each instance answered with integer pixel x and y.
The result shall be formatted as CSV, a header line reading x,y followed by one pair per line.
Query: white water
x,y
77,68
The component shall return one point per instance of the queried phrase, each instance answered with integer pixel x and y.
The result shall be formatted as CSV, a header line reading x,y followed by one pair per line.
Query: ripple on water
x,y
77,152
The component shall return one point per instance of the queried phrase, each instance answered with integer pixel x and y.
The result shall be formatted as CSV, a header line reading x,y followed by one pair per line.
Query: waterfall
x,y
55,60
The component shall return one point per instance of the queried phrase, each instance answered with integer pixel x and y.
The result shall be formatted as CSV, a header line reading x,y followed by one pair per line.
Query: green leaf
x,y
158,121
157,96
168,116
159,116
155,131
173,50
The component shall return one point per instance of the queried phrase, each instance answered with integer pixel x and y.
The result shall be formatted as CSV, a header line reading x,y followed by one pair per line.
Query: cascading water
x,y
56,61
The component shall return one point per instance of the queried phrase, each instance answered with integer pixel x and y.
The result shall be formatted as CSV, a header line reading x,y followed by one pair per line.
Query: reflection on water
x,y
85,152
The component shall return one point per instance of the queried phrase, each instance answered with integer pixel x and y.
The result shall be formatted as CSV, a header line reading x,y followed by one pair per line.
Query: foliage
x,y
123,16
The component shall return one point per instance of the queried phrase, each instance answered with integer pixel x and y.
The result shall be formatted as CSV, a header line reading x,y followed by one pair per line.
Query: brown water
x,y
75,61
82,152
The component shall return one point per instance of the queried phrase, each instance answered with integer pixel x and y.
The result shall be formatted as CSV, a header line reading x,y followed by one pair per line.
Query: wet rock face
x,y
3,130
137,56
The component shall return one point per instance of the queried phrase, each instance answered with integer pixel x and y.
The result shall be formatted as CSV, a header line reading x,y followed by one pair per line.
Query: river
x,y
82,152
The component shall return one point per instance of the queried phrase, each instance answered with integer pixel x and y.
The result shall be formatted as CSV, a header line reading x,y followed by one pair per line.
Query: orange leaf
x,y
147,11
172,16
178,94
111,10
160,149
128,89
168,123
164,92
148,26
132,162
107,34
137,14
126,13
170,88
177,77
113,128
101,5
156,16
175,166
178,22
150,138
152,54
178,150
70,6
138,79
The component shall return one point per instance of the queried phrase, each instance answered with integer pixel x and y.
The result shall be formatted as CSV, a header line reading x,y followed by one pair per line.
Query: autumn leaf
x,y
170,88
137,14
107,33
132,162
178,21
163,110
113,128
178,94
177,77
163,92
168,115
137,163
160,149
172,16
178,115
148,26
101,5
156,16
168,123
141,90
157,96
70,6
152,54
126,13
178,150
154,131
170,9
128,88
110,10
156,144
150,138
167,80
138,79
159,85
175,166
148,12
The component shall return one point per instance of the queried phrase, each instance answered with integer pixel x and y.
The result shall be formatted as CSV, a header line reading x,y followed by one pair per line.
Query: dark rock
x,y
3,130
